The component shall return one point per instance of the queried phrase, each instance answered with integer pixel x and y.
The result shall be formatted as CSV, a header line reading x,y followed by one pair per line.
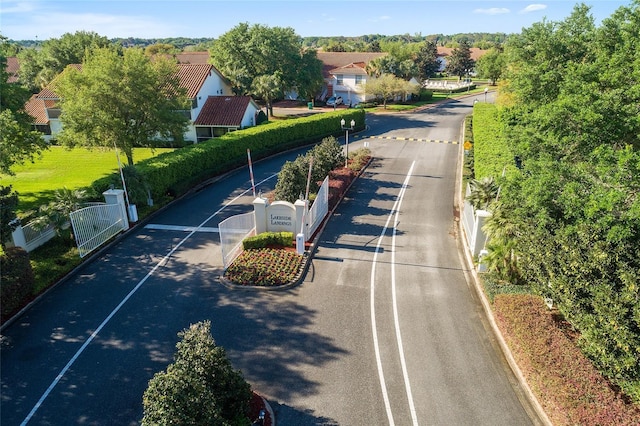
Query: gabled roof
x,y
333,60
49,92
13,67
37,109
193,76
351,69
223,111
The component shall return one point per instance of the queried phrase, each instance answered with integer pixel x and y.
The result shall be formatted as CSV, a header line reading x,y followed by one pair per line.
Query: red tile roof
x,y
333,60
37,109
49,92
192,77
223,111
350,69
193,57
13,67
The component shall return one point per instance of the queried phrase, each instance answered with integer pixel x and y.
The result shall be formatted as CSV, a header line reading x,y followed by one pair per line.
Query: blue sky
x,y
45,19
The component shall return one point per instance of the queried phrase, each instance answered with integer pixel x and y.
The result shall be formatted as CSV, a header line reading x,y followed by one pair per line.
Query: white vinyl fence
x,y
94,225
232,231
319,209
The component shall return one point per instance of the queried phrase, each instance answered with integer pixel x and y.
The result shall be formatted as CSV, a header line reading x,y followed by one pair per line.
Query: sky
x,y
150,19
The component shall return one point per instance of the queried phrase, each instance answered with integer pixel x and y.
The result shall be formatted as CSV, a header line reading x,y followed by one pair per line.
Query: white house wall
x,y
214,85
349,90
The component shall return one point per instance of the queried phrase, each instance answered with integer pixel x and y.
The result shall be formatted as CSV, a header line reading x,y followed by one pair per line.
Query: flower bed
x,y
267,267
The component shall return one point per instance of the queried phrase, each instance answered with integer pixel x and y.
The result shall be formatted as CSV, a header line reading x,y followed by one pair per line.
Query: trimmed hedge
x,y
266,239
16,281
491,151
569,387
174,173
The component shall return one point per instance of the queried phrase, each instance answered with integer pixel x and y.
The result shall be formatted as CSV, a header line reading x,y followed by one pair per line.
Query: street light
x,y
346,139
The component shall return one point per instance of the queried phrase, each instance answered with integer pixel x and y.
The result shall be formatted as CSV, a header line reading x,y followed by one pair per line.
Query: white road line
x,y
180,228
117,308
376,344
405,374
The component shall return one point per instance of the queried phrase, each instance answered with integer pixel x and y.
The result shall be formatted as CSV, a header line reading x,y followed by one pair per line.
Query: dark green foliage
x,y
570,218
16,280
8,207
292,179
199,388
176,172
268,239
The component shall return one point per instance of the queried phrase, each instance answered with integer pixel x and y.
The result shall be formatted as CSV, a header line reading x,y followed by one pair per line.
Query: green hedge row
x,y
174,173
491,151
569,387
16,280
267,239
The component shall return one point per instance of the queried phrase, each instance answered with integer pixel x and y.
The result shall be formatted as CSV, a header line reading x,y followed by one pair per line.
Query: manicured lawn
x,y
59,167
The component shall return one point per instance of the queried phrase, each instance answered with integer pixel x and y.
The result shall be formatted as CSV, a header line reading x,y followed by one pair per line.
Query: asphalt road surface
x,y
385,328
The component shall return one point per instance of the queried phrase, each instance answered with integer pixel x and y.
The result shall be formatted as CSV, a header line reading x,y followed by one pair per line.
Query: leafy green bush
x,y
566,383
492,154
200,387
292,178
16,280
266,239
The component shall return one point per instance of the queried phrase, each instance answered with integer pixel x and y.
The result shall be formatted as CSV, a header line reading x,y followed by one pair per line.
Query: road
x,y
385,328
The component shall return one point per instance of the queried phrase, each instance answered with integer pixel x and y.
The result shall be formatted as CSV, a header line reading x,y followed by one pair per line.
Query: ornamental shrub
x,y
16,280
200,387
266,239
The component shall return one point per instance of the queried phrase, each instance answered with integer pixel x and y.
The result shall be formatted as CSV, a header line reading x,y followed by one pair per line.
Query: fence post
x,y
116,196
260,212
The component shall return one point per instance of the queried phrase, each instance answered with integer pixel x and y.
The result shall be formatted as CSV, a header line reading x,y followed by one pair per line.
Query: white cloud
x,y
15,7
492,11
533,8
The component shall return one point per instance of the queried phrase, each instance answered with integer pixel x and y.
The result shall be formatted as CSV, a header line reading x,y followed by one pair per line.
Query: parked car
x,y
333,101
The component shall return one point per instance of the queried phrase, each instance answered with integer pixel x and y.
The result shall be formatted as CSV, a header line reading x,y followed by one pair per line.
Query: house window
x,y
340,79
359,79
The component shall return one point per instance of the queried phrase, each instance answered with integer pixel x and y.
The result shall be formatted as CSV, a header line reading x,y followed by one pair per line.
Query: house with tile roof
x,y
201,81
223,114
344,75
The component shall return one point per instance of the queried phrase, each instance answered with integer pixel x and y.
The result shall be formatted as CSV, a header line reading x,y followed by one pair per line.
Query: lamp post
x,y
346,139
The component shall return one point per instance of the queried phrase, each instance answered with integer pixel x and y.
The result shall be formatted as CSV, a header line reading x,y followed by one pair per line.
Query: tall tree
x,y
19,142
246,52
39,67
121,101
491,65
460,62
427,60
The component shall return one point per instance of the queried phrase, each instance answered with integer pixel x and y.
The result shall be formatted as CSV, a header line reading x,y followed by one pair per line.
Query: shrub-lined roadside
x,y
567,385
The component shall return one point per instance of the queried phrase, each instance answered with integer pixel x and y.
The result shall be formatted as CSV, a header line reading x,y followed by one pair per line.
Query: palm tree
x,y
267,87
57,213
483,192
